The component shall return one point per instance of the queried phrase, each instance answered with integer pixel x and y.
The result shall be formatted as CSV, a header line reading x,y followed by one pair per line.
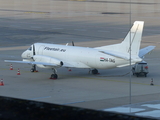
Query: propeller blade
x,y
34,66
34,53
72,43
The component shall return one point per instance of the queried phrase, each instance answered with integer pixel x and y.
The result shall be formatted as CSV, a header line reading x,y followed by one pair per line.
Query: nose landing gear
x,y
33,69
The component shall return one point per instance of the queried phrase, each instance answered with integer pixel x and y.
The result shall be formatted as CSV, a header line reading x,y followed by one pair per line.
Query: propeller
x,y
72,43
34,53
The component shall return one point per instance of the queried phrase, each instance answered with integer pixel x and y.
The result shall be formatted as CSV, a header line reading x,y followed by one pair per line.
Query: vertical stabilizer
x,y
133,39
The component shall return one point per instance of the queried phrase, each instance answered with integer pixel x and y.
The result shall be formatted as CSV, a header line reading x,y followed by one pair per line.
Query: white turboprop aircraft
x,y
117,55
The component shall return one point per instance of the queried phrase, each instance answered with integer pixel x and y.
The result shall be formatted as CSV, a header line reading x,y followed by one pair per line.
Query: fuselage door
x,y
40,50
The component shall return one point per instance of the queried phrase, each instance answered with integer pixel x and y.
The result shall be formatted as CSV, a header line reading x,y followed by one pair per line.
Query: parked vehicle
x,y
140,68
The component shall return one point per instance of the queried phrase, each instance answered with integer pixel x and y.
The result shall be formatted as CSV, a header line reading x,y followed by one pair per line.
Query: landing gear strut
x,y
33,69
54,75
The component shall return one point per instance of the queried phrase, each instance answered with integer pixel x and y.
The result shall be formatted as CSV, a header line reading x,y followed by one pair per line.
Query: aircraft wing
x,y
69,64
33,63
145,51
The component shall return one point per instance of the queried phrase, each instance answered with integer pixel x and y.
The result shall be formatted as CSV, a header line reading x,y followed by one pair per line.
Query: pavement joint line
x,y
72,76
103,31
58,28
73,102
34,12
80,29
40,98
14,48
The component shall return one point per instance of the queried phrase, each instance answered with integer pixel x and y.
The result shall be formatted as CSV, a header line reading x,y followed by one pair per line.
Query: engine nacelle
x,y
46,59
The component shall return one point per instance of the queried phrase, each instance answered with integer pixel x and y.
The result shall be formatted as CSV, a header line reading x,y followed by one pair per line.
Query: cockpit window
x,y
30,48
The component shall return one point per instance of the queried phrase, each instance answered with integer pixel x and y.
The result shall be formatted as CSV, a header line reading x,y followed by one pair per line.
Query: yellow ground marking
x,y
37,12
14,48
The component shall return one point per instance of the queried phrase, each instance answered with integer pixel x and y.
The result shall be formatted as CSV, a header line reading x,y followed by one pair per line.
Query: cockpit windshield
x,y
30,48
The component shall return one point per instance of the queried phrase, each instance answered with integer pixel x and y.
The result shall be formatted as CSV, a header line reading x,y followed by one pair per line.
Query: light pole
x,y
130,57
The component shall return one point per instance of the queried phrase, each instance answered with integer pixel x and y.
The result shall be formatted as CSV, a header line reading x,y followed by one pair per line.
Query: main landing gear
x,y
54,75
94,71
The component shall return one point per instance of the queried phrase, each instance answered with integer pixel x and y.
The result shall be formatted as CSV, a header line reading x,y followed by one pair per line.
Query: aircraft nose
x,y
24,54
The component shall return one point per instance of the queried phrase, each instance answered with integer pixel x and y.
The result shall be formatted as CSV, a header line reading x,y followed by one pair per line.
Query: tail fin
x,y
133,39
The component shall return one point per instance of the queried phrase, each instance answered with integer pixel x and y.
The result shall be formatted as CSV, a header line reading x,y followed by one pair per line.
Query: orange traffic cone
x,y
1,83
18,72
11,67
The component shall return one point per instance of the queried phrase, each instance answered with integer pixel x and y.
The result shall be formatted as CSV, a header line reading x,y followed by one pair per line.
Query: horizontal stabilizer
x,y
122,56
116,54
145,51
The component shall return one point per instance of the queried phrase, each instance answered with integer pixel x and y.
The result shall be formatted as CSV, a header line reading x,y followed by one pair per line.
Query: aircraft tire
x,y
32,70
137,74
54,76
94,71
145,75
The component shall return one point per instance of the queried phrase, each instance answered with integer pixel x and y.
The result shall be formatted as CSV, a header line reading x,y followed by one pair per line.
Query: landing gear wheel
x,y
145,75
33,69
137,74
54,76
94,71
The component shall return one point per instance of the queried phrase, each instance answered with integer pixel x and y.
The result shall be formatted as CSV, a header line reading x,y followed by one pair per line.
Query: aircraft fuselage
x,y
83,57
